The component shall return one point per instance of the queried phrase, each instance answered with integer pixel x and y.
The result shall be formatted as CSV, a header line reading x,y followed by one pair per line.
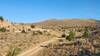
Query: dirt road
x,y
34,50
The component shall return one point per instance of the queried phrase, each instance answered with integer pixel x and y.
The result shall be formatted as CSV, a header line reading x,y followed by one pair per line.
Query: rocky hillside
x,y
67,22
14,27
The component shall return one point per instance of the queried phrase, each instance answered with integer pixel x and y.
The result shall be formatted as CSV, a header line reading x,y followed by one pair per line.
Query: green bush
x,y
1,18
71,36
86,33
2,29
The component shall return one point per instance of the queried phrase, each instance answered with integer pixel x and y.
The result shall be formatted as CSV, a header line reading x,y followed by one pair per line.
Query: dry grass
x,y
67,48
24,41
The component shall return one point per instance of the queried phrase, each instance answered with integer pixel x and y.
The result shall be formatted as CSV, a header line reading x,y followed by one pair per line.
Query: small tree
x,y
71,36
1,18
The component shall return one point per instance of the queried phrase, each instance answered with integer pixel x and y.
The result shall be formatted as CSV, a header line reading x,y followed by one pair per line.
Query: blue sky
x,y
39,10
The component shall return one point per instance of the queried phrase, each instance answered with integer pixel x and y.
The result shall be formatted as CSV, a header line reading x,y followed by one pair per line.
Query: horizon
x,y
30,11
53,19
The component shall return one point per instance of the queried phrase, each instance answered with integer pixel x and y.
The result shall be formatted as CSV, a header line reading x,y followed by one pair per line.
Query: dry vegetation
x,y
24,41
69,38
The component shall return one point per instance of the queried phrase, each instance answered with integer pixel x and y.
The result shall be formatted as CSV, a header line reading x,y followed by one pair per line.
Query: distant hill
x,y
68,22
49,23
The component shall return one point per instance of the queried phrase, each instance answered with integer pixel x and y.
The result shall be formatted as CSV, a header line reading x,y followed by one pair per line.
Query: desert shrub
x,y
13,52
86,33
79,30
63,35
32,26
40,32
2,29
34,33
29,29
37,32
71,36
91,28
23,31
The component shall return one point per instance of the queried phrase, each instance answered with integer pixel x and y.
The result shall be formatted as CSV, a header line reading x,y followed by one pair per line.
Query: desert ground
x,y
73,37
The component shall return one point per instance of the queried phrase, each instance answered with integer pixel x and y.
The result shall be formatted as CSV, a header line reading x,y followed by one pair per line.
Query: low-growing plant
x,y
71,36
2,29
32,26
86,33
13,51
23,31
63,35
37,32
40,32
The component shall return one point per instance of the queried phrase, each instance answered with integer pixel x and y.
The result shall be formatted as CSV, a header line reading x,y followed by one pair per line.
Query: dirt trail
x,y
34,50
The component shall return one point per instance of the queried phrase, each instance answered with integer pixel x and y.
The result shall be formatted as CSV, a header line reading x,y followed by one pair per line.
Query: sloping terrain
x,y
68,22
23,41
65,49
38,48
42,42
